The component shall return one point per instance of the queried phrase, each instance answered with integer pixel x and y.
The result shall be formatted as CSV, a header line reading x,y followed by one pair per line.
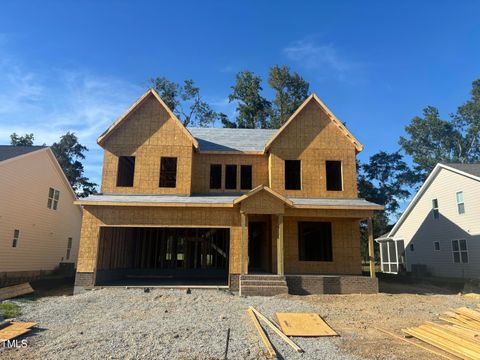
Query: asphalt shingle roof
x,y
9,151
225,139
472,169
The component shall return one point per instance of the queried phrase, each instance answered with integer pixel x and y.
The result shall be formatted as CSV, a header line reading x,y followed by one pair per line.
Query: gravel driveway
x,y
121,323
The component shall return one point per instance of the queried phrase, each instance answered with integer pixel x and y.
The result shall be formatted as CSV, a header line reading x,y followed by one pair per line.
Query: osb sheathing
x,y
148,133
313,138
345,246
96,216
201,170
262,203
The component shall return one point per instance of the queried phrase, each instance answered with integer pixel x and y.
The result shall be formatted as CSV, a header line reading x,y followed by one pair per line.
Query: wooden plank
x,y
469,313
277,330
445,356
14,330
371,249
268,345
11,292
304,324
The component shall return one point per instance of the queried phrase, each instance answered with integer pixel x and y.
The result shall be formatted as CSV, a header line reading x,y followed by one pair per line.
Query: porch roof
x,y
218,200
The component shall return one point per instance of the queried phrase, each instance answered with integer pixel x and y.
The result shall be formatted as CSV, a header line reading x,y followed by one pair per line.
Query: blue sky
x,y
78,65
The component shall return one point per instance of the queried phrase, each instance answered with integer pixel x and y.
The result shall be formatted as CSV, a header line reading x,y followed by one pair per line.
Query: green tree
x,y
431,140
185,101
69,153
253,109
290,92
26,140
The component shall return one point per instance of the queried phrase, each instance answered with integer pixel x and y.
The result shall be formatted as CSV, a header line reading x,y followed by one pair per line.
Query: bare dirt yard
x,y
119,323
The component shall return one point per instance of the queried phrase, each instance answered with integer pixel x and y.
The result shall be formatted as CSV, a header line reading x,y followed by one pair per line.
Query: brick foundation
x,y
18,277
234,281
331,284
83,281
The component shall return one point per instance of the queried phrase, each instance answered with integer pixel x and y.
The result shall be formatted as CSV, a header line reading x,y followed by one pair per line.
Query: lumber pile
x,y
11,292
457,334
15,329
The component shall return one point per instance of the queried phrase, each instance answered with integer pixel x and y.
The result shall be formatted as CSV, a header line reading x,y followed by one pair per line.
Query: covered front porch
x,y
301,250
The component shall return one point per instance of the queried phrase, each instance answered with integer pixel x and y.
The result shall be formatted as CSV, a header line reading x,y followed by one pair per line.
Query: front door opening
x,y
163,256
258,247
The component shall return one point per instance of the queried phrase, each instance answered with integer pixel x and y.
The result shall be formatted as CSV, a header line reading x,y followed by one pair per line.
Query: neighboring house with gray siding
x,y
439,232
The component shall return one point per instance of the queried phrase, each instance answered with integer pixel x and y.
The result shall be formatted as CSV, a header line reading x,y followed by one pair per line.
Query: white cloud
x,y
50,102
323,58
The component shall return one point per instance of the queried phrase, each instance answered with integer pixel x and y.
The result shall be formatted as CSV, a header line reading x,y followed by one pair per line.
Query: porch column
x,y
280,251
371,251
242,243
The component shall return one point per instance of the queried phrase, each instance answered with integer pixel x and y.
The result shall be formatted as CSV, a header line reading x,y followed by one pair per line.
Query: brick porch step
x,y
263,285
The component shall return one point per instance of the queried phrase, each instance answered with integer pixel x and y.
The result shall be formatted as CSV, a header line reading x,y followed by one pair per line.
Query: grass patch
x,y
9,310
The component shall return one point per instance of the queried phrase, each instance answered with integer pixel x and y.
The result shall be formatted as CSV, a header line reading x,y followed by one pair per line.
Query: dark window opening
x,y
215,176
126,171
412,248
292,175
246,177
315,241
435,212
230,177
16,235
334,175
168,172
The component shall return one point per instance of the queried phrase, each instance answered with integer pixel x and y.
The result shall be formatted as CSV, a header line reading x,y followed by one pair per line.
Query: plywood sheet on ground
x,y
15,329
10,292
304,324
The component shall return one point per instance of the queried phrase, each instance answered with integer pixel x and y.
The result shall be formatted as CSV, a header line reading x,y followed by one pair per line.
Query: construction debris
x,y
14,291
15,329
457,333
268,345
304,324
276,329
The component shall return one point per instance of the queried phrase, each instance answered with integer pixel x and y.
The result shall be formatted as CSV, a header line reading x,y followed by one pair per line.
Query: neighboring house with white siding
x,y
39,224
439,232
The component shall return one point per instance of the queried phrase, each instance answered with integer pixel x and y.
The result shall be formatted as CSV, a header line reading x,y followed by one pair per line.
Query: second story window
x,y
16,235
245,177
460,203
231,177
334,175
125,171
53,197
435,212
168,172
215,176
293,177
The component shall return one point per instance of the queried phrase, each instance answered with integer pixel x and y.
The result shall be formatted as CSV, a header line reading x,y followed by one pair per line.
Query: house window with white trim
x,y
16,235
435,212
69,248
436,245
460,203
53,197
460,251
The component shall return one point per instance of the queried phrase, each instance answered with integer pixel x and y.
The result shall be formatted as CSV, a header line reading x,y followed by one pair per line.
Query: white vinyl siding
x,y
422,229
24,190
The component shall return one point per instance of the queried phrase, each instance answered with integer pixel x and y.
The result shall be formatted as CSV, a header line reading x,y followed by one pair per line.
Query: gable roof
x,y
10,151
331,116
469,170
232,140
149,92
268,190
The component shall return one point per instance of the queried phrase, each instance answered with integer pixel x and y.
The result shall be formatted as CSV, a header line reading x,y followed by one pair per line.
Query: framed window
x,y
125,171
460,203
293,177
16,235
392,255
460,251
168,172
53,197
435,212
69,248
231,177
412,248
215,176
436,245
334,175
315,241
245,177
